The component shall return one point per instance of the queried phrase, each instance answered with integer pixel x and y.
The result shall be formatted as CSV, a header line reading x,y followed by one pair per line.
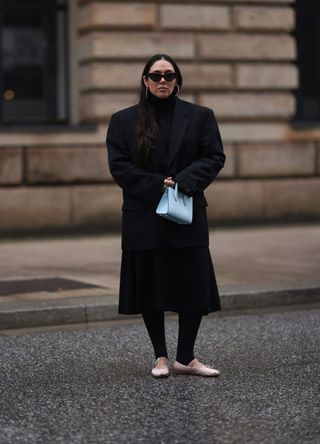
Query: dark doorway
x,y
307,35
33,61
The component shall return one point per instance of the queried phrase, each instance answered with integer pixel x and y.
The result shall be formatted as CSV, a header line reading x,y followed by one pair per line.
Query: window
x,y
33,61
308,45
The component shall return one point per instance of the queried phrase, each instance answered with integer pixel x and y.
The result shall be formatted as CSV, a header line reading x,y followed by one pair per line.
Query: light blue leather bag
x,y
176,206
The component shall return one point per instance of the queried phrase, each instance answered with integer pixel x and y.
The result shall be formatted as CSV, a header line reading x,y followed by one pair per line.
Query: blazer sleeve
x,y
202,171
134,180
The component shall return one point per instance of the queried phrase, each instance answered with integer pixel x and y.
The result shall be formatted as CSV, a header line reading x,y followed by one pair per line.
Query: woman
x,y
165,266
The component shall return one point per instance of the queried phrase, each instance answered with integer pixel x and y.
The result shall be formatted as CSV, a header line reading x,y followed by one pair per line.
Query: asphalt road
x,y
94,386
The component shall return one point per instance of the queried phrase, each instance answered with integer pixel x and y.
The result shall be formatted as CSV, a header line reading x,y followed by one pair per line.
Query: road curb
x,y
86,311
270,298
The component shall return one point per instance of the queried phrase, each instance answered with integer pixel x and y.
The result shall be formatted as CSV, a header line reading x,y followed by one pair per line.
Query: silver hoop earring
x,y
178,90
147,91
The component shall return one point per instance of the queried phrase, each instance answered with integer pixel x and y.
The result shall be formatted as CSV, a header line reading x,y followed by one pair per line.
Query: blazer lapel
x,y
179,126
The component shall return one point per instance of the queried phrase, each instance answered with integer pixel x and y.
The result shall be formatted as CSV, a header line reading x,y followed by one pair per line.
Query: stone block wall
x,y
236,56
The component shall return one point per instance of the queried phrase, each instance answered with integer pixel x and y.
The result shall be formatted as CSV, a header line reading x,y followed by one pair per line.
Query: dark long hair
x,y
147,125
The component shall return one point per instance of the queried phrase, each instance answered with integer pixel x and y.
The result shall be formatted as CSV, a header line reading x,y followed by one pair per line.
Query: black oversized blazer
x,y
194,159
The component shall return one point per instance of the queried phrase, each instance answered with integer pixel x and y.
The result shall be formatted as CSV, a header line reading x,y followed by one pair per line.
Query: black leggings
x,y
189,323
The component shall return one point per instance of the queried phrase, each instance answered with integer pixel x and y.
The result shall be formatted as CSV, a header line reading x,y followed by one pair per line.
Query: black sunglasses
x,y
157,76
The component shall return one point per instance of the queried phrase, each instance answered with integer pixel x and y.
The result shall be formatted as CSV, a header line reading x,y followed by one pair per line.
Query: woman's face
x,y
162,88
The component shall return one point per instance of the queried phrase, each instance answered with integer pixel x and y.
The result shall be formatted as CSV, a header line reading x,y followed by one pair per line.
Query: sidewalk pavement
x,y
65,280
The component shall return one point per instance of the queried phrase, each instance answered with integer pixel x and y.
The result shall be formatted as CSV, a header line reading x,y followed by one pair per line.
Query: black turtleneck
x,y
164,113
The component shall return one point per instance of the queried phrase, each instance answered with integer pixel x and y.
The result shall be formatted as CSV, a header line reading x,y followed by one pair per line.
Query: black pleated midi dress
x,y
167,279
173,279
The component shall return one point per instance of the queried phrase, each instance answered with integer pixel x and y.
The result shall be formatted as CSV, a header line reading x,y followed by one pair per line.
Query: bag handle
x,y
175,195
176,192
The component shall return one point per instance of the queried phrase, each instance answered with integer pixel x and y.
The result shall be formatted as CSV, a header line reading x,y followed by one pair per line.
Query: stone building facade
x,y
237,57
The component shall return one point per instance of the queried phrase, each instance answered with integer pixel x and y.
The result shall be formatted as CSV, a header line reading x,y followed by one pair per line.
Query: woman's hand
x,y
169,182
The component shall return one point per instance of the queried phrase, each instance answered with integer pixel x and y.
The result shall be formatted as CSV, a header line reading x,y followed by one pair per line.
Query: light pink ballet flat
x,y
162,372
194,368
